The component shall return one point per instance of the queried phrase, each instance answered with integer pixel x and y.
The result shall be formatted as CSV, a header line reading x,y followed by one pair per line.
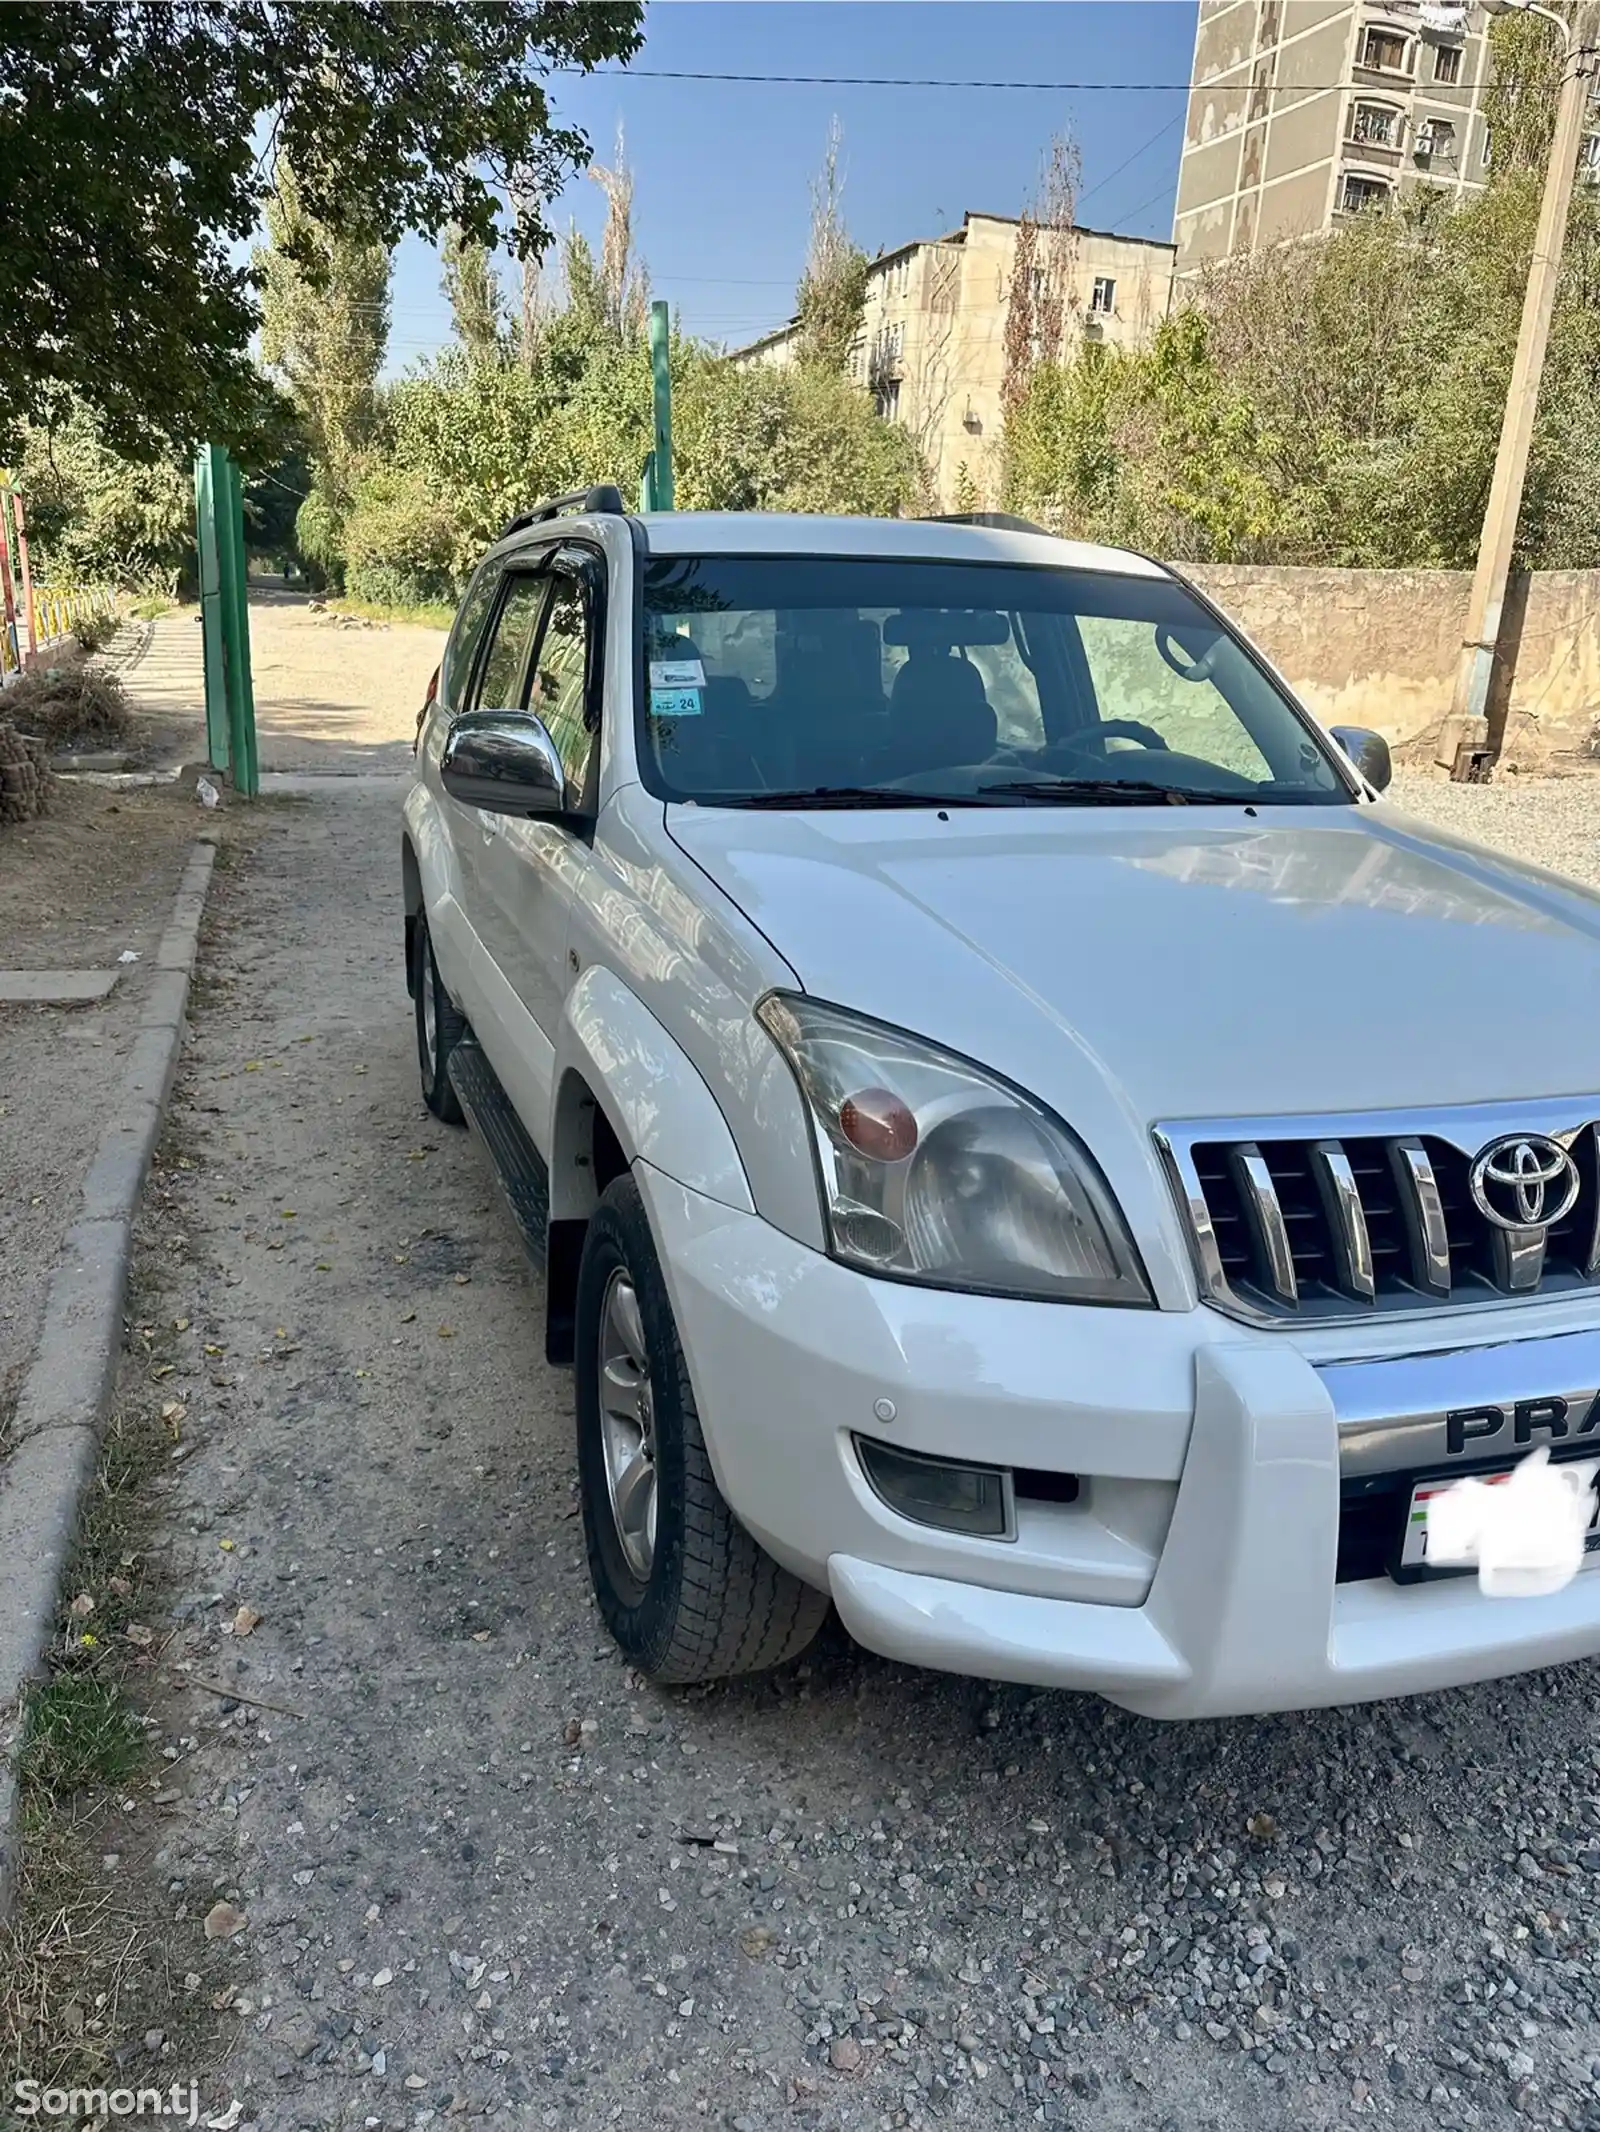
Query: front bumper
x,y
1196,1574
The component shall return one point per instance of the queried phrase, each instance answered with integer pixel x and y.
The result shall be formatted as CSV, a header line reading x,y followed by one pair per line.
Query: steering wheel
x,y
1174,655
1121,729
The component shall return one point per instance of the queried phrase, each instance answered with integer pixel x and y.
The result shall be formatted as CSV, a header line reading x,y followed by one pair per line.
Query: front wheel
x,y
439,1029
683,1588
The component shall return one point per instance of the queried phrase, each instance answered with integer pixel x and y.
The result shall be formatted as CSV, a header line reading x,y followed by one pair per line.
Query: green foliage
x,y
95,517
1333,402
472,290
1526,60
833,288
324,328
131,173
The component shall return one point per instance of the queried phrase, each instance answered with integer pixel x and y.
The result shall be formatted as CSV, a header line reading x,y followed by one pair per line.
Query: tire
x,y
703,1600
439,1029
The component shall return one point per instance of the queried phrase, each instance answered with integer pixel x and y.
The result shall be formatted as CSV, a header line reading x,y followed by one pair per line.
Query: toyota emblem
x,y
1524,1181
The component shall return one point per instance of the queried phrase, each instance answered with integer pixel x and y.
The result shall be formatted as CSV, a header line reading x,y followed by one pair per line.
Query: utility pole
x,y
1468,721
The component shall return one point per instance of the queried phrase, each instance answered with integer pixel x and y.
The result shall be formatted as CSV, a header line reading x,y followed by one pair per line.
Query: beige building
x,y
932,340
1302,112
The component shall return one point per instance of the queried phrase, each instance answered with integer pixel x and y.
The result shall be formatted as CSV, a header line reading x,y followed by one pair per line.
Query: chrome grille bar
x,y
1262,1206
1518,1259
1423,1211
1383,1212
1346,1218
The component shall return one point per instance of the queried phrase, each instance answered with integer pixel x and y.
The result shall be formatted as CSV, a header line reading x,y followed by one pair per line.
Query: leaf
x,y
82,1607
245,1620
223,1921
137,1633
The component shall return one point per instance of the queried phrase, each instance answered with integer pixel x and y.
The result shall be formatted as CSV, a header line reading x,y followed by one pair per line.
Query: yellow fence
x,y
57,612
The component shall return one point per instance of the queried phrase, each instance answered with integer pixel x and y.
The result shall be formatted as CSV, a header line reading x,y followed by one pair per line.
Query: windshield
x,y
774,680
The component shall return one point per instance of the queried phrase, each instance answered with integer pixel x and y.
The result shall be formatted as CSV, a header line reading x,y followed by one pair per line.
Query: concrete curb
x,y
55,1431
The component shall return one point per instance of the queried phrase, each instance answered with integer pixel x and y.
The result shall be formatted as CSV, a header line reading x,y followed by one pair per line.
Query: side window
x,y
560,687
1194,717
464,635
502,682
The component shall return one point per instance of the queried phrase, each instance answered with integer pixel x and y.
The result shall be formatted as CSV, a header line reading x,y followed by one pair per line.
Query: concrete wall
x,y
1379,647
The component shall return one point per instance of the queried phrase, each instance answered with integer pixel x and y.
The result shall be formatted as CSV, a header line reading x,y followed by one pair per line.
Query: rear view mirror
x,y
503,762
1369,752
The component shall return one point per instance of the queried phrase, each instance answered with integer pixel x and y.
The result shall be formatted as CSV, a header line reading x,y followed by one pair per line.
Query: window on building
x,y
887,399
1486,153
1359,193
1376,124
1447,64
1436,141
1103,296
1385,49
1589,159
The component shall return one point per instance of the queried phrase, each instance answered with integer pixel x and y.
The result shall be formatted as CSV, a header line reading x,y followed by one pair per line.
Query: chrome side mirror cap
x,y
503,762
1369,752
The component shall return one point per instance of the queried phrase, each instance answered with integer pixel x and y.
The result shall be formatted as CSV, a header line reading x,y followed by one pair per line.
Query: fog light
x,y
939,1491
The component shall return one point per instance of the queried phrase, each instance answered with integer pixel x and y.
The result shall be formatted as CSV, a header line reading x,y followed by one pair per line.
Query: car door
x,y
530,868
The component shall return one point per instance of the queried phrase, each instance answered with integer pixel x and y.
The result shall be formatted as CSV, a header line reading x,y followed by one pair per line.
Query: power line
x,y
1101,183
897,81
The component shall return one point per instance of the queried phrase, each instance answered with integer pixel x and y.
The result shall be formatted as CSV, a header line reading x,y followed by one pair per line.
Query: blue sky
x,y
723,170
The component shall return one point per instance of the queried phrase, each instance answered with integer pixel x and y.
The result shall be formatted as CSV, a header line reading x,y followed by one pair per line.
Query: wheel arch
x,y
625,1092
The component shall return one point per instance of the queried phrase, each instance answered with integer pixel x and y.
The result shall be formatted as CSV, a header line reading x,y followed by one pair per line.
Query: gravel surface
x,y
331,695
1552,821
487,1875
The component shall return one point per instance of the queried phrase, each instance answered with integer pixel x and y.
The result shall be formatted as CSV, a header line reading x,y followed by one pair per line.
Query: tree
x,y
472,290
97,518
1526,62
132,166
624,287
324,329
1040,297
833,287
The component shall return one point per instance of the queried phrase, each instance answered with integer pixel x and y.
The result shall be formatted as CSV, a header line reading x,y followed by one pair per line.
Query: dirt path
x,y
491,1877
331,696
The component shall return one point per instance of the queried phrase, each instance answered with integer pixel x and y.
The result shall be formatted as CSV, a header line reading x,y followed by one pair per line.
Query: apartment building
x,y
932,339
1302,112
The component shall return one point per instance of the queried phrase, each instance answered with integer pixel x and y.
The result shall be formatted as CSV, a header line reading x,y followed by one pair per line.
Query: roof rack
x,y
604,500
1002,521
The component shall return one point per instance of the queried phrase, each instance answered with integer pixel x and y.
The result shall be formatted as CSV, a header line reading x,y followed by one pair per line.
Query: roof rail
x,y
604,500
1001,520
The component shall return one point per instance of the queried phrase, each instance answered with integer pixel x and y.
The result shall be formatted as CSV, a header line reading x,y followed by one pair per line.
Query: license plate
x,y
1414,1540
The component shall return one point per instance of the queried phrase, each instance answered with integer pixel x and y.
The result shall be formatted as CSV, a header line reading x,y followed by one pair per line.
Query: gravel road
x,y
490,1876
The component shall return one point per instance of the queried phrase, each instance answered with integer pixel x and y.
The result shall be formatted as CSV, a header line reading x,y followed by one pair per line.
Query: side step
x,y
521,1171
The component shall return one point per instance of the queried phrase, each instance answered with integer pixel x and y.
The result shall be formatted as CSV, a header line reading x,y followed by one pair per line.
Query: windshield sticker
x,y
677,673
675,702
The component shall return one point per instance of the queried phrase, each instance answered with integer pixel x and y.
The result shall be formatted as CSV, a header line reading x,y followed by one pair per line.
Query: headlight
x,y
933,1170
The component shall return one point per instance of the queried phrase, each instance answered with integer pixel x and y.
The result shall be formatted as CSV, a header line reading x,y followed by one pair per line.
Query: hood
x,y
1184,962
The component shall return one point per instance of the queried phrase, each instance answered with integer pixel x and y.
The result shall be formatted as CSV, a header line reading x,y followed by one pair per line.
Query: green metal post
x,y
661,456
208,477
225,619
236,635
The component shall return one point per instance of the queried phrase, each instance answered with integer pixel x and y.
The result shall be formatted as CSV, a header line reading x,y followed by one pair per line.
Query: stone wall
x,y
1379,648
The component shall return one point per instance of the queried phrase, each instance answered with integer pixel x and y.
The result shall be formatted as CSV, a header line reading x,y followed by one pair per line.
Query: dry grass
x,y
70,703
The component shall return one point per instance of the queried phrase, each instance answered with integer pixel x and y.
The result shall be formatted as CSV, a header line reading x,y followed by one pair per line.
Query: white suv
x,y
1024,1142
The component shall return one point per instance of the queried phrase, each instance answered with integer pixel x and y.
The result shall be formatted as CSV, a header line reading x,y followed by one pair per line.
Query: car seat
x,y
939,711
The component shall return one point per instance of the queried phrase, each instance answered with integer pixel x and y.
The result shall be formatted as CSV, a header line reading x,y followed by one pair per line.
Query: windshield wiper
x,y
847,796
1084,791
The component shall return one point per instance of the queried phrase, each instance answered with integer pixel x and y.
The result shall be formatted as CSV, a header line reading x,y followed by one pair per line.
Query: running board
x,y
519,1167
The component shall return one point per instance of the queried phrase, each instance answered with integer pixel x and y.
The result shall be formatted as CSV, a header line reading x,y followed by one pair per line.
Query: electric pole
x,y
1469,704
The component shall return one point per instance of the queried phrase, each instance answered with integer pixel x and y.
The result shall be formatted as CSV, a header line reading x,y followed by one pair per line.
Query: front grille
x,y
1293,1219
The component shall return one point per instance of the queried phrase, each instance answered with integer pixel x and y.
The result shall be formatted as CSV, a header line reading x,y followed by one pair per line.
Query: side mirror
x,y
503,762
1369,752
